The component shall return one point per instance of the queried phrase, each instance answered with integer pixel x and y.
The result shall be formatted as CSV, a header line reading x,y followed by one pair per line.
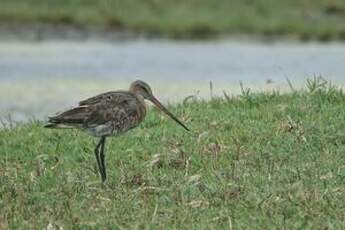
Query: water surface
x,y
38,78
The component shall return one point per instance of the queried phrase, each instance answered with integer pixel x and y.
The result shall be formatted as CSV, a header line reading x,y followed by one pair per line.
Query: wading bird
x,y
109,114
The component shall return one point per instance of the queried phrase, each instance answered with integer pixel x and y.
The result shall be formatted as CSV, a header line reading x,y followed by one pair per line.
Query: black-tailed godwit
x,y
109,114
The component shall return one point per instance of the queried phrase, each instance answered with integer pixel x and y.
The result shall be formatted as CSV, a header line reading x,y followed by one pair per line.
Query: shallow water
x,y
38,78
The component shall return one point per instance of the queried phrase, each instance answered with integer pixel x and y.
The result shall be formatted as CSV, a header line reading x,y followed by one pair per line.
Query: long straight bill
x,y
165,110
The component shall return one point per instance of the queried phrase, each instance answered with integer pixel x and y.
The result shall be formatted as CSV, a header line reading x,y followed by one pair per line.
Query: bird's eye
x,y
146,90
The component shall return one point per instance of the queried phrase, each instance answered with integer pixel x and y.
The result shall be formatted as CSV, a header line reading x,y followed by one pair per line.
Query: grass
x,y
263,161
316,19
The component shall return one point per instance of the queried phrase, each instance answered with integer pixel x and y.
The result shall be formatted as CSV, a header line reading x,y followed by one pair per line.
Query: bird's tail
x,y
73,118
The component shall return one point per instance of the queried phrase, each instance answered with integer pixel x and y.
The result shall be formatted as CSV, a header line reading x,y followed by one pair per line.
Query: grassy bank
x,y
317,19
255,161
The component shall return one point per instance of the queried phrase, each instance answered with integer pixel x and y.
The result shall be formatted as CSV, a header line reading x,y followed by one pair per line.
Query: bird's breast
x,y
140,108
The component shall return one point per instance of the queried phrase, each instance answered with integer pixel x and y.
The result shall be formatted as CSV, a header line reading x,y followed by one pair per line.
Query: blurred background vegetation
x,y
302,19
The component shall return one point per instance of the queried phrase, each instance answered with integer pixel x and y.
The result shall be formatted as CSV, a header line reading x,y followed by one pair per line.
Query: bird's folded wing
x,y
115,107
108,96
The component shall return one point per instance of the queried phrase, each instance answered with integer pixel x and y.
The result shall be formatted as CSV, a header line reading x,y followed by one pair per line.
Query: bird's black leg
x,y
104,173
98,156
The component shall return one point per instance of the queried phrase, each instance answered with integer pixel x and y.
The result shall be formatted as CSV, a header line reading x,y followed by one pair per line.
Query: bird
x,y
109,114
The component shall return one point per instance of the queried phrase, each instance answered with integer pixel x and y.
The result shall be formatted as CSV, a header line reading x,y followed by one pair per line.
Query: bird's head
x,y
143,89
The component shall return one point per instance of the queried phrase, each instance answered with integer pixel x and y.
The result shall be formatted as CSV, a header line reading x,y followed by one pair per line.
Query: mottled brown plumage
x,y
109,114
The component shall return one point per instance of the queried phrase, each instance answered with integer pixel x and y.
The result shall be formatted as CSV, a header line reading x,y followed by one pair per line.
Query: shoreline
x,y
61,31
63,94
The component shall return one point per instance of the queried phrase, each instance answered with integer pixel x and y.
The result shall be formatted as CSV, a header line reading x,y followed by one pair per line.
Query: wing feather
x,y
120,109
102,97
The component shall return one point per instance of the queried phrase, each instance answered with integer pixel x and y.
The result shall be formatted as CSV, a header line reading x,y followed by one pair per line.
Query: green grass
x,y
305,19
257,161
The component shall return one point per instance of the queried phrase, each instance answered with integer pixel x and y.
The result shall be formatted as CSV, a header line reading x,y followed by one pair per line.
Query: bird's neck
x,y
140,97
